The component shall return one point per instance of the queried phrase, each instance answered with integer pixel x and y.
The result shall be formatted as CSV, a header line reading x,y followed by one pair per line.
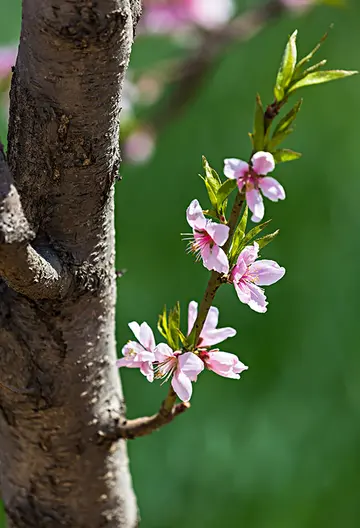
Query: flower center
x,y
165,369
250,181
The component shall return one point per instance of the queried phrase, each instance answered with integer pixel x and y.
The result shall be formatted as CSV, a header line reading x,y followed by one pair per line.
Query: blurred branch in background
x,y
203,30
185,77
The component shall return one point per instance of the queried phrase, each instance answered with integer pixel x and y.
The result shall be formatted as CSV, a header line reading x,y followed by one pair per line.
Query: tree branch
x,y
130,429
191,73
25,269
63,154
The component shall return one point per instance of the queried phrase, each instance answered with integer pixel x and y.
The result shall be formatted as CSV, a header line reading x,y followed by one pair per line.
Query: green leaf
x,y
278,138
258,132
212,182
265,240
162,324
282,155
320,78
211,212
211,173
285,123
184,340
253,233
286,69
174,326
238,236
308,57
313,68
225,190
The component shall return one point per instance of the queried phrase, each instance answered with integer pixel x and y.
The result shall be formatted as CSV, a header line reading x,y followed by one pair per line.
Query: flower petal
x,y
218,232
135,328
181,385
147,370
235,168
163,352
146,337
256,204
195,216
215,336
190,364
214,258
128,362
134,350
192,315
248,255
212,318
272,189
243,291
225,364
257,301
265,272
263,162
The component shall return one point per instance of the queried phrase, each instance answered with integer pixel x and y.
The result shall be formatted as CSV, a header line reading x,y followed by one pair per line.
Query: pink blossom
x,y
166,16
139,146
223,363
7,60
248,275
299,5
184,369
210,335
251,178
207,238
139,355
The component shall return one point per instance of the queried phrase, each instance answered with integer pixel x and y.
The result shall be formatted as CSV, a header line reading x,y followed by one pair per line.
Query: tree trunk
x,y
59,387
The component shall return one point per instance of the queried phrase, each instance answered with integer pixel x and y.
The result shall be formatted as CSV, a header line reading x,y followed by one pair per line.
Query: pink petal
x,y
147,370
243,291
190,364
239,270
272,189
210,335
128,362
214,258
235,168
181,385
225,364
266,272
263,162
218,232
195,216
256,204
215,336
147,337
212,319
249,254
192,315
135,328
257,301
134,350
163,352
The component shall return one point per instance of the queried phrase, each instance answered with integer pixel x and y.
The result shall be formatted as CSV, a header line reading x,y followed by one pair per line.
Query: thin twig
x,y
130,429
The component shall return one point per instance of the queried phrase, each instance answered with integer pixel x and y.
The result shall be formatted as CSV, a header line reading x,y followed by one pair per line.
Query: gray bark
x,y
59,387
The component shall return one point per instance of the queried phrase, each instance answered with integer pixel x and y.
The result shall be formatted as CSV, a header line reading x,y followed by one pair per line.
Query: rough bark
x,y
59,387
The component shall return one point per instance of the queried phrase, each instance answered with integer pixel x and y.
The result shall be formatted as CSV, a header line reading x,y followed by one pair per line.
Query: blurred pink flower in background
x,y
164,16
299,5
7,60
139,146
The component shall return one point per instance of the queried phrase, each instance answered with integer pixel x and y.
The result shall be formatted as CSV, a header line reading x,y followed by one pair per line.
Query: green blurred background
x,y
280,447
